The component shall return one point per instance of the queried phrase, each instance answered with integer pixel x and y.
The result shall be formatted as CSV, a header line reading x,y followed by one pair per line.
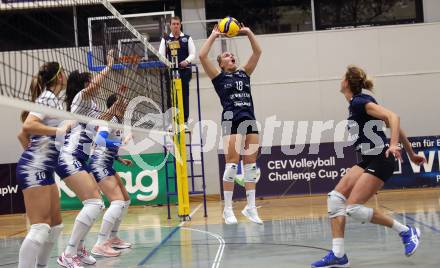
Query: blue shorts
x,y
100,172
29,176
101,162
68,166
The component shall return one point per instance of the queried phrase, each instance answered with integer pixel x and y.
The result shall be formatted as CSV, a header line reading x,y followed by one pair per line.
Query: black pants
x,y
379,165
241,126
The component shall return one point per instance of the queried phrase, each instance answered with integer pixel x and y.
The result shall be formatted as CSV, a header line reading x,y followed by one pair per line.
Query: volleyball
x,y
229,26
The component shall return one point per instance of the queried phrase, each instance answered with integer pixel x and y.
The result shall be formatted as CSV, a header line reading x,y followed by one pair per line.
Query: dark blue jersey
x,y
234,91
183,51
366,130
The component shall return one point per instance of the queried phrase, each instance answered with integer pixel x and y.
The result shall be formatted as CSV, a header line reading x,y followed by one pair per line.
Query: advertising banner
x,y
145,187
317,168
11,197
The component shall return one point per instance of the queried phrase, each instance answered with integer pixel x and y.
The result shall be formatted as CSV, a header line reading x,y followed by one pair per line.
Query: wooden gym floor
x,y
295,233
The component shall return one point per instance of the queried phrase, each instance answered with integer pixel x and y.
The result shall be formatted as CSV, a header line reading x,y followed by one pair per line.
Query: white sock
x,y
79,230
118,221
44,255
250,196
338,247
228,199
81,242
83,222
32,245
27,257
112,214
398,227
115,229
104,233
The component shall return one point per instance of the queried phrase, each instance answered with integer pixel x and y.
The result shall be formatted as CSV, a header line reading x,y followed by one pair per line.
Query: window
x,y
84,12
265,16
54,27
25,29
332,14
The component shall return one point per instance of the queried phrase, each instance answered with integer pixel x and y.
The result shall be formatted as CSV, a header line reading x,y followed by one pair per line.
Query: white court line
x,y
220,250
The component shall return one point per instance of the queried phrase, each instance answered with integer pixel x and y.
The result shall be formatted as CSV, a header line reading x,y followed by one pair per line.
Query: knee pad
x,y
55,232
250,173
230,172
360,213
91,211
39,233
258,174
114,212
336,204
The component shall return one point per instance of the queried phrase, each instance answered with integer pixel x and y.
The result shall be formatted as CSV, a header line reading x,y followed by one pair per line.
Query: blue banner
x,y
317,171
409,175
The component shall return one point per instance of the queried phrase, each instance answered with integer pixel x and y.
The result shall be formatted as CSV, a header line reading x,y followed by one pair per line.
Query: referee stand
x,y
194,157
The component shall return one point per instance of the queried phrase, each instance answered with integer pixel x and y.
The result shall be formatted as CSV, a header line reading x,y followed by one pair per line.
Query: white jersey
x,y
49,99
84,106
42,152
102,151
102,158
79,140
113,134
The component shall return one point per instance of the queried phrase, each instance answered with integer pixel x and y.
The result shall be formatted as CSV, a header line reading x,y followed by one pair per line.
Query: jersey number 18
x,y
239,85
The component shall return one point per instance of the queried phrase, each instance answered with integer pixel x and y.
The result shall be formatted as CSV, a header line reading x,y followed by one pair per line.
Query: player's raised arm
x,y
252,62
208,66
98,79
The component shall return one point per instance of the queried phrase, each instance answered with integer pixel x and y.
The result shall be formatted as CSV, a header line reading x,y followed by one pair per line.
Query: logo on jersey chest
x,y
240,74
227,86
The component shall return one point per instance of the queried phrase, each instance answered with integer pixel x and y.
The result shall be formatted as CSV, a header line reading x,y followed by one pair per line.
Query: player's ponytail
x,y
368,84
35,89
357,79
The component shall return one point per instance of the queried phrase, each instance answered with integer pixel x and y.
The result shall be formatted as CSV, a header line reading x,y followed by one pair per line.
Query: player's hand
x,y
216,32
126,162
121,106
395,151
417,159
118,108
122,89
110,58
183,64
64,128
244,30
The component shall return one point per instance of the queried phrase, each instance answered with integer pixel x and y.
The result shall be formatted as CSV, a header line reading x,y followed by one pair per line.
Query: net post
x,y
180,149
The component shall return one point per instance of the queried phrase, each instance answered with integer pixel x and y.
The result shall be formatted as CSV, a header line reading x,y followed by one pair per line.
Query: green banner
x,y
146,187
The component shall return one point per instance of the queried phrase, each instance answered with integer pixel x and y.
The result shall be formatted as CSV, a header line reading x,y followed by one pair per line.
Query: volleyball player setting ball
x,y
368,176
232,85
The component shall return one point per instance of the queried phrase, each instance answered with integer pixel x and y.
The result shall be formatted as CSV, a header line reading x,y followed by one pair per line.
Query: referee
x,y
185,55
